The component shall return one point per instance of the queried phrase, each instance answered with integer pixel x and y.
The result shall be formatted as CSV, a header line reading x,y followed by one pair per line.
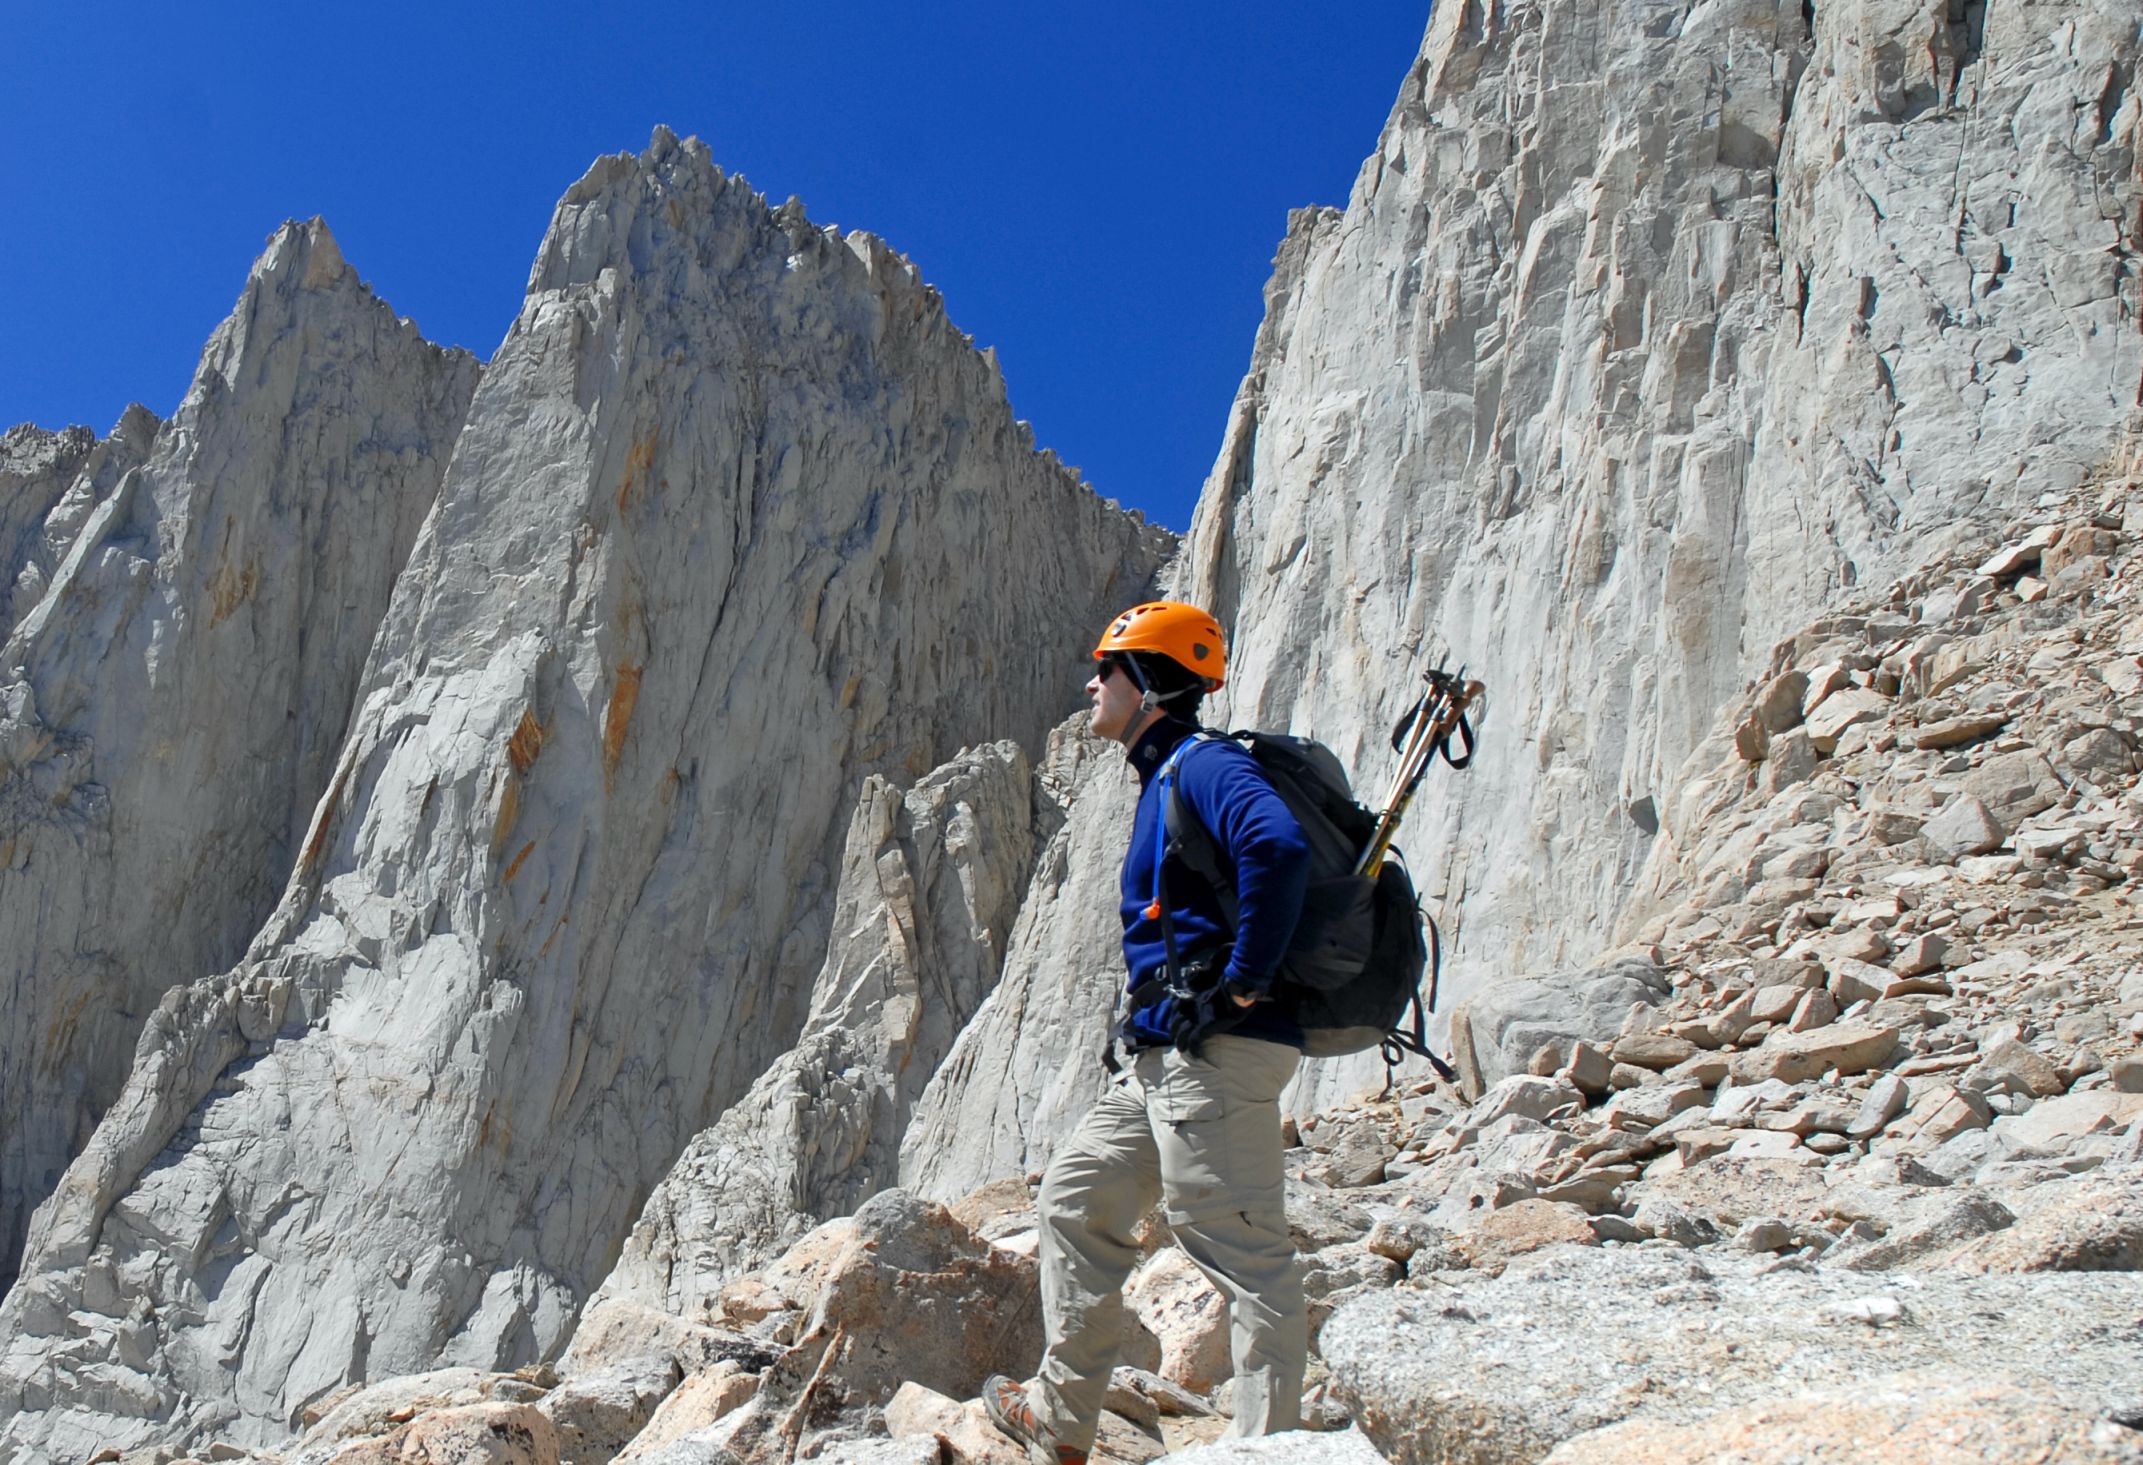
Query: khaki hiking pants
x,y
1202,1135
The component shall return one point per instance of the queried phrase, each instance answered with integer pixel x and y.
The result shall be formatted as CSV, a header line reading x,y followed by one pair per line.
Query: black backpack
x,y
1355,964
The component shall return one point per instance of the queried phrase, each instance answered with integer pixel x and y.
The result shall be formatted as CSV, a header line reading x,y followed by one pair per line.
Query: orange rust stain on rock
x,y
638,464
60,1033
623,696
526,745
546,951
322,821
515,868
228,589
502,1134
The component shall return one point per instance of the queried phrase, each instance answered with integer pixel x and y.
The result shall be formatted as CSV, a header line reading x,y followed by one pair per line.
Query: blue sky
x,y
1097,190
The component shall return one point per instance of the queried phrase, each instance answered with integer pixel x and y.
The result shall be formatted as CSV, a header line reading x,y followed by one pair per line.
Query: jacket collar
x,y
1155,744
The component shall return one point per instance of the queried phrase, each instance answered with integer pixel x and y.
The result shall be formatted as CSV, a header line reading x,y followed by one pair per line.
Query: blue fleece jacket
x,y
1260,844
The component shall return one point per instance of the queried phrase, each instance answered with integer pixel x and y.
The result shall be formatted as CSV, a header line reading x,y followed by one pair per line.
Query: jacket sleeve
x,y
1263,843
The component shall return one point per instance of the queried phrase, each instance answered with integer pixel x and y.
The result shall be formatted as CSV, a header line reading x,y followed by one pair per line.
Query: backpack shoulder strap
x,y
1181,819
1189,842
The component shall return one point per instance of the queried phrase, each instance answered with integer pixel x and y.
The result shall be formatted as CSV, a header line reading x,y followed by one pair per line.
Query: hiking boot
x,y
1006,1404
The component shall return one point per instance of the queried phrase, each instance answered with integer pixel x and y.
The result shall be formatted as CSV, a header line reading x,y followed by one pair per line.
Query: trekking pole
x,y
1427,730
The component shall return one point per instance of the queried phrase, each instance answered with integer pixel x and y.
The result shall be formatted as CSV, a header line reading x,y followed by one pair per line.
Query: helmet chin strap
x,y
1148,698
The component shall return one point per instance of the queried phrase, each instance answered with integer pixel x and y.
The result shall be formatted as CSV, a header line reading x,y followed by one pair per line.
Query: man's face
x,y
1115,700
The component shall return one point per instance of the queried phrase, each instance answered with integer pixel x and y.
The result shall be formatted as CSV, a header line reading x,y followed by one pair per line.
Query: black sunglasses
x,y
1113,663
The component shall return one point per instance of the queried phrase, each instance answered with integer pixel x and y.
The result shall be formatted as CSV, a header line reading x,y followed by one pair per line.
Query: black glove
x,y
1209,1008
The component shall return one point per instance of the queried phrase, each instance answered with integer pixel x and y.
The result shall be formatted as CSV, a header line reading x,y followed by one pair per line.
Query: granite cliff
x,y
1646,333
689,865
188,606
736,522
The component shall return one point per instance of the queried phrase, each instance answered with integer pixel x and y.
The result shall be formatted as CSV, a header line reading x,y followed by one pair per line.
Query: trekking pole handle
x,y
1429,733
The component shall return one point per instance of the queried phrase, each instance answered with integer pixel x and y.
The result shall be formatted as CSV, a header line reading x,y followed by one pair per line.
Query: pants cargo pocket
x,y
1191,1131
1216,1157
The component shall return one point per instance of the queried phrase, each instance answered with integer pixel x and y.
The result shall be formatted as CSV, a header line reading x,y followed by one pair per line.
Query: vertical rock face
x,y
188,608
1028,1064
930,883
738,519
1645,331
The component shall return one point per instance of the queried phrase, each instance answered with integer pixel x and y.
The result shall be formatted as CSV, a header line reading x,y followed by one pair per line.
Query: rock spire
x,y
737,519
184,632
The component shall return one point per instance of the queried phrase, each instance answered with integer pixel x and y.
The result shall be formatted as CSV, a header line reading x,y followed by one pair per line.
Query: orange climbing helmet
x,y
1183,633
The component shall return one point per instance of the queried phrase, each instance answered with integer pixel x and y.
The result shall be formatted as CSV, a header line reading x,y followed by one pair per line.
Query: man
x,y
1194,1120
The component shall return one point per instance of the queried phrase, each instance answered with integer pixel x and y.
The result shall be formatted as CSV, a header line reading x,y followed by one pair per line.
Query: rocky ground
x,y
1804,1173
